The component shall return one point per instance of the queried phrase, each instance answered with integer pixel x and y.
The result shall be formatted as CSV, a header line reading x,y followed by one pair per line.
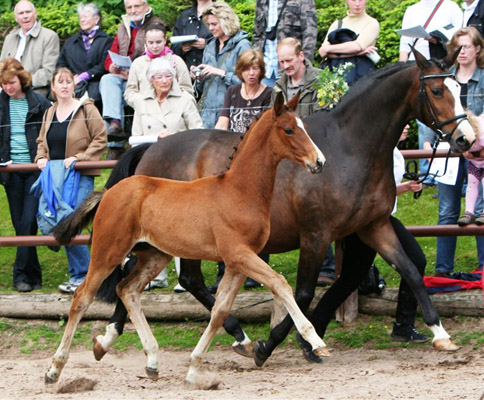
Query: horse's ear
x,y
292,104
422,62
450,58
279,104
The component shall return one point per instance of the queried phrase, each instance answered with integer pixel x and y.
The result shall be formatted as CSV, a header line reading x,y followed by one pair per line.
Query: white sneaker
x,y
68,287
179,288
156,283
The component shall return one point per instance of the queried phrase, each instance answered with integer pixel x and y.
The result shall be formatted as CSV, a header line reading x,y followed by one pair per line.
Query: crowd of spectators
x,y
97,91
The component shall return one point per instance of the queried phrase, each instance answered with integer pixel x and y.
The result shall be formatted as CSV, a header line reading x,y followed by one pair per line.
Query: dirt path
x,y
349,374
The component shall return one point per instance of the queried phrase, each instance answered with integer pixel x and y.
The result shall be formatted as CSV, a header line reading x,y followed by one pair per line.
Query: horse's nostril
x,y
461,141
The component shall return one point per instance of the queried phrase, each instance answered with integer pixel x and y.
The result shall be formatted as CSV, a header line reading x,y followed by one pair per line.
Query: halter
x,y
436,124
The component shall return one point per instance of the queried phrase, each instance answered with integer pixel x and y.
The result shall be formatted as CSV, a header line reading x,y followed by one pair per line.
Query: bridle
x,y
423,97
437,125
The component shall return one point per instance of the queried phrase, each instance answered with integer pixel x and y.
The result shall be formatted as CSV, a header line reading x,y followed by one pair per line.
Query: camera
x,y
197,71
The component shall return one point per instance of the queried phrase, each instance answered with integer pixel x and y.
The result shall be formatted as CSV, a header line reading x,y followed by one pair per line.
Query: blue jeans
x,y
271,81
424,132
449,212
112,89
23,209
78,256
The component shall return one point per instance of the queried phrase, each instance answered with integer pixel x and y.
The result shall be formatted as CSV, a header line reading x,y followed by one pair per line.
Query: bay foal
x,y
224,217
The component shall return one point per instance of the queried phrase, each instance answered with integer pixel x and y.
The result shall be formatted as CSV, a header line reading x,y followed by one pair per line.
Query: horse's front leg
x,y
311,256
381,236
191,279
227,290
150,263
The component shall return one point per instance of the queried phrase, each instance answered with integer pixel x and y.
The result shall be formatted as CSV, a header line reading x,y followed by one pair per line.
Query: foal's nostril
x,y
461,141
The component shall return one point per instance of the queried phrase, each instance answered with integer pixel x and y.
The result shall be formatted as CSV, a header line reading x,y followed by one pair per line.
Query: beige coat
x,y
139,85
177,113
40,55
86,135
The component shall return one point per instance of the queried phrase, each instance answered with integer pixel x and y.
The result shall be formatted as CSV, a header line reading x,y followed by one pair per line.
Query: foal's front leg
x,y
227,291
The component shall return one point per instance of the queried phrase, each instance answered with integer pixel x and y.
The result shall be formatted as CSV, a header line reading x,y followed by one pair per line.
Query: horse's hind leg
x,y
191,279
382,237
228,288
151,261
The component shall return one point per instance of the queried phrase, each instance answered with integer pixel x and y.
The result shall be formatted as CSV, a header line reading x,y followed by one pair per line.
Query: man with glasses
x,y
129,41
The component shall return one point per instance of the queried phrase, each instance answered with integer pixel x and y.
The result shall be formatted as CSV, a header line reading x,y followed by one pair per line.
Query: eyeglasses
x,y
166,77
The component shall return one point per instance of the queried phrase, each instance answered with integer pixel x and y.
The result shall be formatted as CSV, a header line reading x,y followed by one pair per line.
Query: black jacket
x,y
73,56
37,106
477,18
188,23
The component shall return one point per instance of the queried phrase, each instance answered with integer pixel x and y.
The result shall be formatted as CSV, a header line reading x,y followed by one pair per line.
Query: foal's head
x,y
290,137
439,102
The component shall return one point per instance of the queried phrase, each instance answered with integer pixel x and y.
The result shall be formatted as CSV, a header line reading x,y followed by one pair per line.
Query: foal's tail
x,y
69,227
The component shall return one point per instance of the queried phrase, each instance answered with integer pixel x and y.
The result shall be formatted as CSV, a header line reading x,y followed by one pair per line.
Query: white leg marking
x,y
108,339
439,332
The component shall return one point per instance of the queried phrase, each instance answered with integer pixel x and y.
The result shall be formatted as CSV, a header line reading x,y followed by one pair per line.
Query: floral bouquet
x,y
331,85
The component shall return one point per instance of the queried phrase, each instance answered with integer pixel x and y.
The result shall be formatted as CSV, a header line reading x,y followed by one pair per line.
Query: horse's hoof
x,y
322,352
246,350
152,373
445,345
311,357
260,354
49,380
98,349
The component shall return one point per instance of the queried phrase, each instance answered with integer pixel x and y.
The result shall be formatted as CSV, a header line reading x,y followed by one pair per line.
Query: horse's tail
x,y
126,165
79,219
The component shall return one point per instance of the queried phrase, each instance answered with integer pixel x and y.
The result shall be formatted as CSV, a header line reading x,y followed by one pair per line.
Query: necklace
x,y
251,97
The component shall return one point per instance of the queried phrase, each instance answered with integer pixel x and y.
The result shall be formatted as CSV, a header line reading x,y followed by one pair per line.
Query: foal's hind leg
x,y
83,297
151,262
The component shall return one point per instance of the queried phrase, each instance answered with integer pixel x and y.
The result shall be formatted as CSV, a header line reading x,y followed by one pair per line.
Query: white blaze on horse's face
x,y
321,158
464,126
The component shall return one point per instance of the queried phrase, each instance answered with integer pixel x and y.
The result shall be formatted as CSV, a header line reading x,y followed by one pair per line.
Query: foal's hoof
x,y
49,380
246,350
260,353
98,349
445,345
152,373
322,352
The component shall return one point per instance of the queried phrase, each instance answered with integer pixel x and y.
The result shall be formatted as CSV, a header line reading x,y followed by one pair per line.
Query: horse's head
x,y
439,102
293,142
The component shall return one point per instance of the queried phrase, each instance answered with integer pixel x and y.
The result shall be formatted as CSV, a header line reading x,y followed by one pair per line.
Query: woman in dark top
x,y
190,23
21,111
244,102
85,52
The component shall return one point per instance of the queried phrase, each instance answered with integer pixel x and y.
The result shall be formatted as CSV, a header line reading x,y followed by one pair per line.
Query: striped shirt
x,y
19,149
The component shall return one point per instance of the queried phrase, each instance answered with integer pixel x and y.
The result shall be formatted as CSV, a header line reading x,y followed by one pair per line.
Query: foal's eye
x,y
289,131
437,92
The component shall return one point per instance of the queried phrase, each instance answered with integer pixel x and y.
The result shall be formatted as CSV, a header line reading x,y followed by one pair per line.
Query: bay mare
x,y
221,218
351,199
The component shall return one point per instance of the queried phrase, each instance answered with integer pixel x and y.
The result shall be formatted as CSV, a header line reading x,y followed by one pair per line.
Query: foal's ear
x,y
450,58
279,104
292,104
422,62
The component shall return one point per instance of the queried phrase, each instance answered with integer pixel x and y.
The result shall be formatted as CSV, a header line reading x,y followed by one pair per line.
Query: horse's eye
x,y
289,131
437,92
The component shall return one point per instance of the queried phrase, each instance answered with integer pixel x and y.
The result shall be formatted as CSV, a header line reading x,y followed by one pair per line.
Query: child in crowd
x,y
475,174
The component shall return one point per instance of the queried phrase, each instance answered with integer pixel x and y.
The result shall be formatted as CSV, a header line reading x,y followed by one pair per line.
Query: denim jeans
x,y
449,212
23,209
78,256
112,89
271,81
424,133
